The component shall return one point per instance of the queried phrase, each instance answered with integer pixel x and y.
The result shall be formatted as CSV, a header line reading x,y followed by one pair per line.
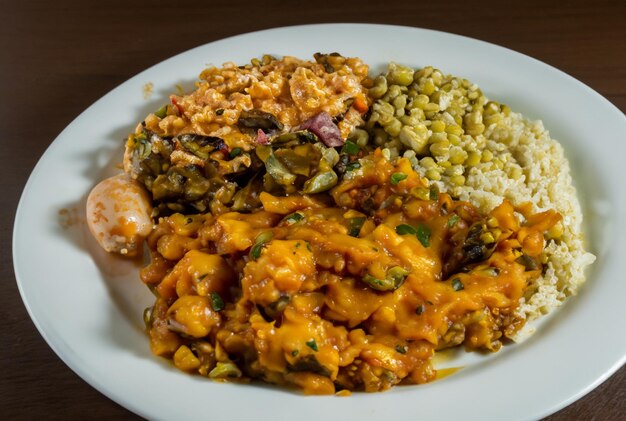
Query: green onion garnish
x,y
216,302
350,148
161,112
397,177
293,218
312,344
355,225
457,285
423,234
404,229
235,152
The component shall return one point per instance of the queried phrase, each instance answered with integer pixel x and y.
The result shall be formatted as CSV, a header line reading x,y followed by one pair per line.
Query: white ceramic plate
x,y
88,306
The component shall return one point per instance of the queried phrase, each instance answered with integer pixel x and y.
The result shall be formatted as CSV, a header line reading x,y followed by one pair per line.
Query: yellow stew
x,y
352,291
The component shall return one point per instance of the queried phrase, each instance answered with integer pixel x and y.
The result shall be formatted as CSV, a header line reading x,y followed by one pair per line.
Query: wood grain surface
x,y
58,57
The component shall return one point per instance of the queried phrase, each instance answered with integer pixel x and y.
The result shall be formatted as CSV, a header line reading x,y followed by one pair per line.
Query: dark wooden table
x,y
56,58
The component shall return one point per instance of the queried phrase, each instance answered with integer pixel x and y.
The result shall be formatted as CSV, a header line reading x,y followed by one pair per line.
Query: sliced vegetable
x,y
293,218
161,112
257,119
355,225
423,234
225,370
259,243
404,229
279,172
350,148
327,131
396,177
530,263
454,218
320,182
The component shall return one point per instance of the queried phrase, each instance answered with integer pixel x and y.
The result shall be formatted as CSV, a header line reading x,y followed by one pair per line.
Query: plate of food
x,y
347,221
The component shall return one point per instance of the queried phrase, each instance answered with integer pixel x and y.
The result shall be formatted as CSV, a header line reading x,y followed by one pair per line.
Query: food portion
x,y
204,152
323,230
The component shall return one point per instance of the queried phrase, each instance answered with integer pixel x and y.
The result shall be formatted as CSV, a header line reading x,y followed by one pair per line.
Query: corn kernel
x,y
393,127
454,129
431,107
454,139
428,163
428,88
457,155
454,170
459,180
515,173
433,174
440,148
438,126
473,159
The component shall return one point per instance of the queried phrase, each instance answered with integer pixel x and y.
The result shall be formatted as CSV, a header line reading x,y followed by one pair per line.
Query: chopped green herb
x,y
453,220
429,302
423,234
395,278
401,349
420,309
350,148
355,225
353,166
312,344
189,220
404,229
434,193
397,177
293,218
161,112
298,245
295,353
235,152
259,243
457,285
219,111
308,246
216,302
